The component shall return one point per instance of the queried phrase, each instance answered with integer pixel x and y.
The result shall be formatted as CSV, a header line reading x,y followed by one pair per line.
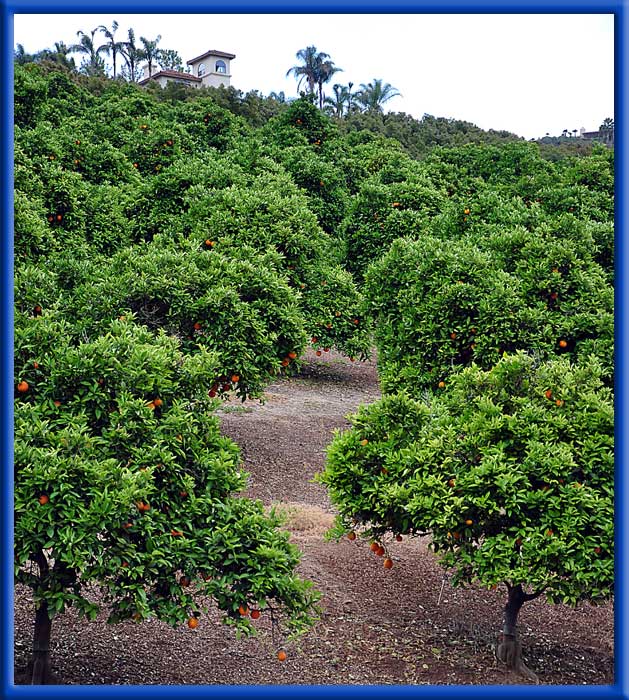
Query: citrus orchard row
x,y
169,256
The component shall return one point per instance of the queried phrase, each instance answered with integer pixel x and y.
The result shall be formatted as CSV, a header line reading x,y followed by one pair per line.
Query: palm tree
x,y
113,47
131,54
93,65
307,71
150,52
325,70
373,95
316,69
336,105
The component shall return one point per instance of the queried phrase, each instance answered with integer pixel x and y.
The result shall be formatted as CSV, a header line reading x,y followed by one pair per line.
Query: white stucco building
x,y
211,69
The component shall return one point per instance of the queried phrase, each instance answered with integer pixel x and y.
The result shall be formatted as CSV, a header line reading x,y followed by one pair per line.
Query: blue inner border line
x,y
7,10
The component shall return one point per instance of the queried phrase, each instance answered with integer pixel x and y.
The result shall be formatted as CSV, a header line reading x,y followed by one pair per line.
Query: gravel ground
x,y
402,626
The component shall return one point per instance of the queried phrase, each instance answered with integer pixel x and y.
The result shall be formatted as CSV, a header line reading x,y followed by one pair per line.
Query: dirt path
x,y
403,626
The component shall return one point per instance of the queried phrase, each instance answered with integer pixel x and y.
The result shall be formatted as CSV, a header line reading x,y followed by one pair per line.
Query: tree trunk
x,y
40,659
509,647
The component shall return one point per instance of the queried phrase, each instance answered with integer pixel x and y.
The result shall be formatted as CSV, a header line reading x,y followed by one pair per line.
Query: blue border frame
x,y
10,7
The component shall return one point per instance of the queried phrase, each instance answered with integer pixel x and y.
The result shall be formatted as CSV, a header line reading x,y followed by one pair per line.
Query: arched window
x,y
221,67
201,70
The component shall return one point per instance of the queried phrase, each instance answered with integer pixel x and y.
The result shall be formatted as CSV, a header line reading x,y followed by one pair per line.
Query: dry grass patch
x,y
305,519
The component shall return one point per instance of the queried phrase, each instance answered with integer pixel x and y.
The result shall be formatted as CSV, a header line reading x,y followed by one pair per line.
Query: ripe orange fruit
x,y
209,243
59,217
36,365
51,218
135,165
364,441
313,340
143,507
326,349
559,402
157,402
235,378
281,655
563,343
318,353
255,614
22,387
292,355
193,623
441,385
451,483
243,610
285,362
548,394
151,405
355,322
469,522
57,403
43,499
126,526
388,563
337,313
380,551
453,335
395,204
351,536
37,309
466,211
176,533
184,581
549,532
374,546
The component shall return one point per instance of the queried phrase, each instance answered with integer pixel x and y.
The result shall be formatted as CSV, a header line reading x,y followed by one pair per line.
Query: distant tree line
x,y
91,52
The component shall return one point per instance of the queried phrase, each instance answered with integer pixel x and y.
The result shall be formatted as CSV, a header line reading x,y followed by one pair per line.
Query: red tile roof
x,y
172,74
212,52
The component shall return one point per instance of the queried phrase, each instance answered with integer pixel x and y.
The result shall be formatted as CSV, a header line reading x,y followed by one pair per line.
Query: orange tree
x,y
509,472
123,482
268,215
240,309
440,305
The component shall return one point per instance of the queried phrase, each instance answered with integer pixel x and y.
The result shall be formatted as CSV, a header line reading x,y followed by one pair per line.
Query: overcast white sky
x,y
529,74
